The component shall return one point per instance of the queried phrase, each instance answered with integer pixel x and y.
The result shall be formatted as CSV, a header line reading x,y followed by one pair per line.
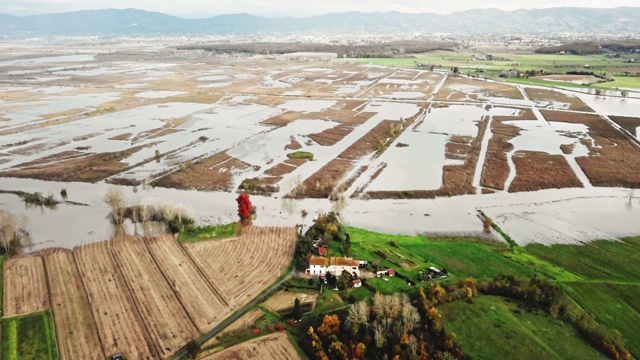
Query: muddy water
x,y
612,105
547,216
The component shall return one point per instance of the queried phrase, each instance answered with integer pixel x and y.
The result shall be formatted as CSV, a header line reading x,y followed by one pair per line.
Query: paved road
x,y
181,354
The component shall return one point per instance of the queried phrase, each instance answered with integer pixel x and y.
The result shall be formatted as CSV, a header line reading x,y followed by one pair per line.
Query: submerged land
x,y
512,170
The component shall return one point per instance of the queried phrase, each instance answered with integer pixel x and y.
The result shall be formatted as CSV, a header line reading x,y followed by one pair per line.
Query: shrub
x,y
300,155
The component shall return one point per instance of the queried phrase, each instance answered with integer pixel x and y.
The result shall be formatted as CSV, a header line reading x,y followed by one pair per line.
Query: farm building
x,y
389,272
319,266
356,283
338,264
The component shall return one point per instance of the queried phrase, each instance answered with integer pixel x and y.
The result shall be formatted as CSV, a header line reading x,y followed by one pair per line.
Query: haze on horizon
x,y
300,8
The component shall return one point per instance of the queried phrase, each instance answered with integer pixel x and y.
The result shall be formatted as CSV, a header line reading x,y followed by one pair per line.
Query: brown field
x,y
293,144
118,321
209,174
547,95
75,327
333,135
281,169
459,89
344,116
89,168
167,322
198,296
630,124
537,171
321,184
285,118
243,267
615,159
525,114
243,323
283,301
25,286
271,347
495,170
260,185
370,141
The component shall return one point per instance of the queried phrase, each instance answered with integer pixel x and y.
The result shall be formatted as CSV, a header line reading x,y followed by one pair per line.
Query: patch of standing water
x,y
213,78
612,105
270,82
48,59
347,89
405,95
215,85
308,106
158,94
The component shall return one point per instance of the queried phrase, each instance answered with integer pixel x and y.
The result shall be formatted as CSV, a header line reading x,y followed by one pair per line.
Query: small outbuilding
x,y
322,251
391,272
356,283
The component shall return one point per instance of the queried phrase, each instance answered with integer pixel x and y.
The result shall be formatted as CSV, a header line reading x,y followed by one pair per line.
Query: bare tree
x,y
116,200
12,229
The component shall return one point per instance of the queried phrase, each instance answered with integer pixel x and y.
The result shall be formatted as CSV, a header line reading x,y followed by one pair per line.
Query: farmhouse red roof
x,y
342,261
319,261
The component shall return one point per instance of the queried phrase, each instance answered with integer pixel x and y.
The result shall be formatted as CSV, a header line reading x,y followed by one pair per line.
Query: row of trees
x,y
326,228
383,327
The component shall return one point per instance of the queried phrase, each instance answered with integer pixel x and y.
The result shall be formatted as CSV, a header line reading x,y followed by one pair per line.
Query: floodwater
x,y
234,125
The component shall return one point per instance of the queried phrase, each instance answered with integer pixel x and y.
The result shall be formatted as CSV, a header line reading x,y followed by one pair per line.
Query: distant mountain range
x,y
112,22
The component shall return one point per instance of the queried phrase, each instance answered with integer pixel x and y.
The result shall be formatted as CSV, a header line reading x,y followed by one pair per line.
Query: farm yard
x,y
142,297
271,347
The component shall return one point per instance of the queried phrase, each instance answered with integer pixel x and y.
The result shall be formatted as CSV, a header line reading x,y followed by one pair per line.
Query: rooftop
x,y
319,261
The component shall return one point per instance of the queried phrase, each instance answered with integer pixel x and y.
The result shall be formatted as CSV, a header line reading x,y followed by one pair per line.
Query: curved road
x,y
182,353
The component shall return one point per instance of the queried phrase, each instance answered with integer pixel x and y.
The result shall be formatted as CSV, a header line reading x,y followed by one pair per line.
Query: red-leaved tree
x,y
244,207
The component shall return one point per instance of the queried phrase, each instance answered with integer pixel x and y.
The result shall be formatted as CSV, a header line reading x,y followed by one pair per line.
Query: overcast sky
x,y
298,8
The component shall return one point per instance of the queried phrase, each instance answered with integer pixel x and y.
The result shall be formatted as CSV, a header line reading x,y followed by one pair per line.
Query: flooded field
x,y
405,150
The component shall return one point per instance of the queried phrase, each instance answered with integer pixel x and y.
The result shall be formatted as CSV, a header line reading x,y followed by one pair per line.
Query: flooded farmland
x,y
412,151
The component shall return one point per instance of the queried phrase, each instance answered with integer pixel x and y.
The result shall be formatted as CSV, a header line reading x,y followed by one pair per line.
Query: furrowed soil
x,y
167,322
614,160
75,327
118,321
321,184
242,267
25,286
537,170
271,347
199,298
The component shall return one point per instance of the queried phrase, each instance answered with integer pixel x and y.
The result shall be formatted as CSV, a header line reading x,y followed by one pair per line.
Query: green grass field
x,y
596,260
461,258
492,329
548,62
616,306
197,233
29,337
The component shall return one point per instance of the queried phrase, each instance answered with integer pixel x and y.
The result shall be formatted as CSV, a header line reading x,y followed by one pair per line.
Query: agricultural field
x,y
271,347
199,298
75,326
614,305
240,268
25,286
492,327
120,327
168,323
283,301
410,254
29,337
